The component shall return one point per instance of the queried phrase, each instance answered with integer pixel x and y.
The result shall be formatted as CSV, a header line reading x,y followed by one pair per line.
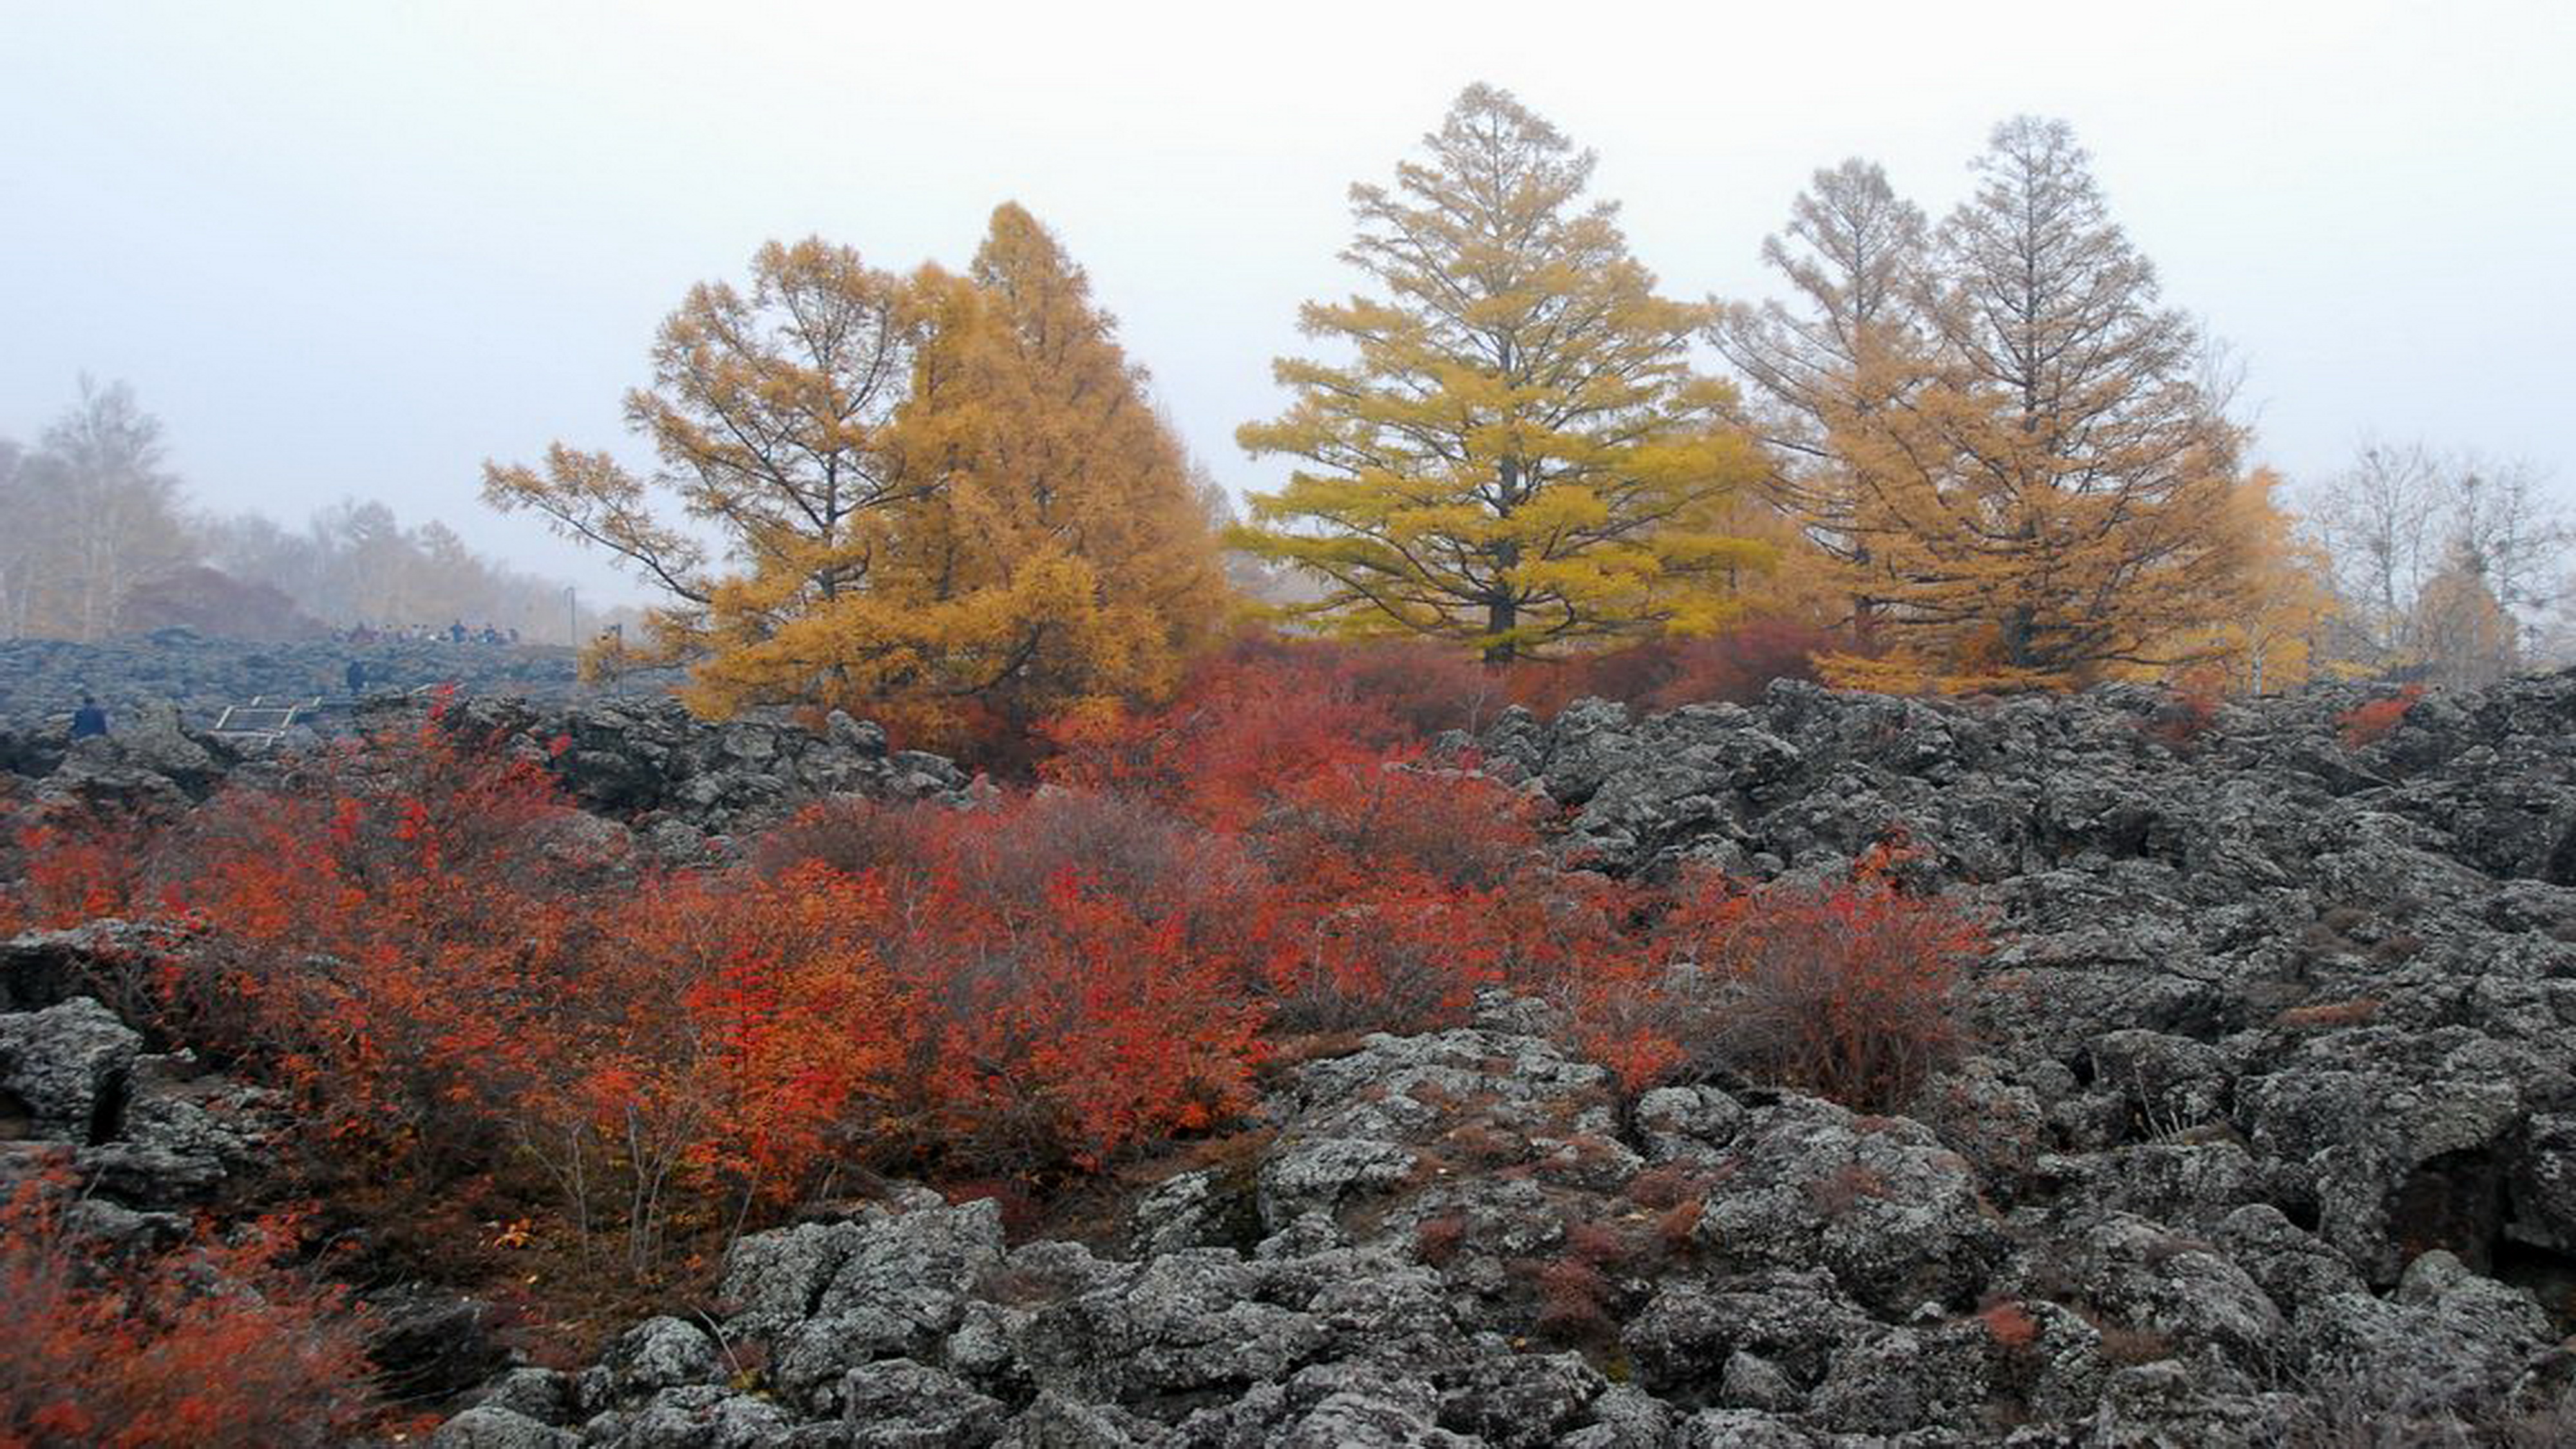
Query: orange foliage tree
x,y
2003,437
953,500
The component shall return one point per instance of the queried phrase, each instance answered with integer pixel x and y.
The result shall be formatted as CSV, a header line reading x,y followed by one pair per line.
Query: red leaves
x,y
1080,1028
1845,990
2370,723
464,985
211,1345
2009,1325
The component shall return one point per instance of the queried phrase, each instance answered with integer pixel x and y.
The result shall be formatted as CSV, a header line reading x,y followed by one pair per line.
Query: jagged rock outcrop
x,y
2268,1131
41,680
149,1138
2268,1128
645,763
2336,978
1458,1240
649,760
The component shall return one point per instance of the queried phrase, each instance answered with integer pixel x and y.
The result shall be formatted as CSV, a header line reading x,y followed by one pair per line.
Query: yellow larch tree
x,y
2467,637
2040,491
769,411
1853,252
1053,551
2277,638
976,519
1518,454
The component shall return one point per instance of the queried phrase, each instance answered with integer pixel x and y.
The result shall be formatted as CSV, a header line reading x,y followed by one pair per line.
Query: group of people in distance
x,y
455,633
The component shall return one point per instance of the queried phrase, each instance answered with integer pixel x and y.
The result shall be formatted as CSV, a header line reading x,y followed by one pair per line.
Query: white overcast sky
x,y
352,249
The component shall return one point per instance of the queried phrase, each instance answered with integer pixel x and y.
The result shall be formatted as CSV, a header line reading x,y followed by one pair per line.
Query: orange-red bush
x,y
1845,990
210,1347
1221,752
2370,723
395,930
2189,711
2009,1325
1407,890
1070,970
73,866
1069,1032
1733,668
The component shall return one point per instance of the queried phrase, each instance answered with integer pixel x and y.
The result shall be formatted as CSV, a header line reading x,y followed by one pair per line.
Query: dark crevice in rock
x,y
107,1109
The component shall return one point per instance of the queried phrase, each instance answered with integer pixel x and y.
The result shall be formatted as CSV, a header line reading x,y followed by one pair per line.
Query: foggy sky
x,y
355,248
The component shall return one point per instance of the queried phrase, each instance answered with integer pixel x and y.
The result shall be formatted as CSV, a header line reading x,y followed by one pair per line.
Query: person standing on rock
x,y
89,720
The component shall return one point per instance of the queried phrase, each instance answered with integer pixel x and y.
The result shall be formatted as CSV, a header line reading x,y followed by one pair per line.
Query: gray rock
x,y
70,1065
490,1426
916,1267
1522,1399
1891,1212
657,1354
1053,1421
898,1404
2449,1340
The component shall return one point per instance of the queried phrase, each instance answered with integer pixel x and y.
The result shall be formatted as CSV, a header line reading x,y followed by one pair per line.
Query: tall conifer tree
x,y
1518,454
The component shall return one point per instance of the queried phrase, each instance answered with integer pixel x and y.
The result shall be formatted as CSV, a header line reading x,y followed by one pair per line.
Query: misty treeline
x,y
1972,452
102,539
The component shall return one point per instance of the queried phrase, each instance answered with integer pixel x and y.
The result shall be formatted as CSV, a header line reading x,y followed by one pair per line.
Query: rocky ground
x,y
195,676
2269,1133
646,763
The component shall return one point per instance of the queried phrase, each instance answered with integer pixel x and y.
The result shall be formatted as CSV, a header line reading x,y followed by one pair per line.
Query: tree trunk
x,y
1502,615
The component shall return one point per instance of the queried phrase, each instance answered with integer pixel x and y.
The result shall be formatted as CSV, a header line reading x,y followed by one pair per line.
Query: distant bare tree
x,y
2418,537
357,562
92,514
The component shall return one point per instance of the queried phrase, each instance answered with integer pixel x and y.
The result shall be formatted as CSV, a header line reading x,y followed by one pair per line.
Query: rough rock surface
x,y
148,1137
2269,1133
42,680
643,762
646,761
1459,1239
154,1142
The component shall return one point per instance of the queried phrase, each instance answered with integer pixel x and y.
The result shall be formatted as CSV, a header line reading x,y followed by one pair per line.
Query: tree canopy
x,y
1518,455
942,496
2024,478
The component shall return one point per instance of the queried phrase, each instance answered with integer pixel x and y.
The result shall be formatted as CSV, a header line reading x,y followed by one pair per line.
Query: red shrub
x,y
1408,890
213,1345
1437,1240
1733,667
2188,713
1667,1185
2010,1325
1425,688
77,865
1573,1301
786,1029
1845,991
394,928
2357,1011
1598,1244
2370,723
1218,754
1675,1226
1065,1033
851,835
